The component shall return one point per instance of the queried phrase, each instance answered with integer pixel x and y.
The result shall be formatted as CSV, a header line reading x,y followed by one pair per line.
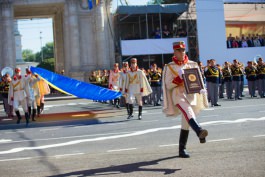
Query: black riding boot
x,y
41,107
38,110
33,115
18,117
201,133
131,111
27,118
117,103
29,110
127,107
183,138
140,112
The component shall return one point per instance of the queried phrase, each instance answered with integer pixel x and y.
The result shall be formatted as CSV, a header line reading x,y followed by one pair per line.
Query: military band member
x,y
177,101
122,82
213,76
261,77
4,87
114,82
93,77
251,72
236,71
155,79
228,80
17,95
136,86
105,79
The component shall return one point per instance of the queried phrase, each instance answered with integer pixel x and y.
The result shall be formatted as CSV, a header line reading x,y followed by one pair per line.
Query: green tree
x,y
47,64
28,55
47,51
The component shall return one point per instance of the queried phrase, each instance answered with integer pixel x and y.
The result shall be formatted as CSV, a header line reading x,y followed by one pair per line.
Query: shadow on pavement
x,y
123,169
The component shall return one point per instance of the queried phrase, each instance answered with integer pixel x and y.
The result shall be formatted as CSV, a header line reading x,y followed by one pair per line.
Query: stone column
x,y
59,41
7,44
103,61
71,34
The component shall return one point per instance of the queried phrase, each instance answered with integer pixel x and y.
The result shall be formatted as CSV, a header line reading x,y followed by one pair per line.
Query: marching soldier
x,y
228,80
177,101
155,78
114,82
4,87
136,86
251,72
122,82
34,93
17,94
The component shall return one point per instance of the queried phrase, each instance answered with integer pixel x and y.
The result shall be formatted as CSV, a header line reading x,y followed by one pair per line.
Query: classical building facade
x,y
82,36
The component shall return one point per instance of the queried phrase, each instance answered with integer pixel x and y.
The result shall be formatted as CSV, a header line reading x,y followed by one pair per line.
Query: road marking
x,y
257,136
65,155
43,130
228,139
14,132
5,160
118,150
6,119
137,133
167,145
115,123
149,121
4,140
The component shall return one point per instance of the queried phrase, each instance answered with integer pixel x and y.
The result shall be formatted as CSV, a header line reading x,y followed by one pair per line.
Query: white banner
x,y
149,46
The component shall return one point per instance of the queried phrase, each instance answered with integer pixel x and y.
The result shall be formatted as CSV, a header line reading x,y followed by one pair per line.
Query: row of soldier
x,y
27,91
105,78
231,77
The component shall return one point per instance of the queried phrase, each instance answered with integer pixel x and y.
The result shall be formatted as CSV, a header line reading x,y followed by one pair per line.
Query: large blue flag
x,y
75,87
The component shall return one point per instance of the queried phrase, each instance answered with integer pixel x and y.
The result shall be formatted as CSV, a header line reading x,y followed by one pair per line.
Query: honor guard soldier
x,y
34,92
114,82
155,79
228,80
251,72
136,86
261,77
177,101
17,94
122,82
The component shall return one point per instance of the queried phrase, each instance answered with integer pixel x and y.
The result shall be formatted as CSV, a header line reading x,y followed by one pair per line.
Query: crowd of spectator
x,y
245,41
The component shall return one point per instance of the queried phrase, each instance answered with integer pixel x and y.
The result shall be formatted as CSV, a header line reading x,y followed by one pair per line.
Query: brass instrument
x,y
7,70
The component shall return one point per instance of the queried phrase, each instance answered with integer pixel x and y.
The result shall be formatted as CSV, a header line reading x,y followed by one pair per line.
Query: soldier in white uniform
x,y
114,82
177,101
34,92
122,81
18,93
136,86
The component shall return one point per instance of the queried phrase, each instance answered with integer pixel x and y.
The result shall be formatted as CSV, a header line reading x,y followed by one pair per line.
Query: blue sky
x,y
32,29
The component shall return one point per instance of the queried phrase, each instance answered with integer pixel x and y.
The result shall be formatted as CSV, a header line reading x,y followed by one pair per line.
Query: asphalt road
x,y
107,144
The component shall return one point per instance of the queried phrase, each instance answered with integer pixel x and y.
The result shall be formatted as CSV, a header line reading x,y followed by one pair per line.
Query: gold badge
x,y
192,78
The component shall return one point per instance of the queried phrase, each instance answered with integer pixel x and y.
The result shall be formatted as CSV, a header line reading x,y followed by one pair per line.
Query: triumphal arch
x,y
82,35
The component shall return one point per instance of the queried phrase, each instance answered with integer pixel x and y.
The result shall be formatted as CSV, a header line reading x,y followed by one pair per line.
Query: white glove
x,y
180,72
203,91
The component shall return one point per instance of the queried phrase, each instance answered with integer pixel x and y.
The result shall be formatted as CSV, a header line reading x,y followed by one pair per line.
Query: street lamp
x,y
41,46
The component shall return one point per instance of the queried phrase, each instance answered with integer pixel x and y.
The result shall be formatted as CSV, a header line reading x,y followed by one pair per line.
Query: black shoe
x,y
140,117
130,116
217,104
239,98
254,96
203,133
157,104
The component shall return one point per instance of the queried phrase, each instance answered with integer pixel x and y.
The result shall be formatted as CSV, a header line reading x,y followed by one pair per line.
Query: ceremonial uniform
x,y
4,87
261,78
136,86
213,76
251,72
34,93
228,80
236,79
122,82
177,101
17,94
114,82
155,79
44,90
